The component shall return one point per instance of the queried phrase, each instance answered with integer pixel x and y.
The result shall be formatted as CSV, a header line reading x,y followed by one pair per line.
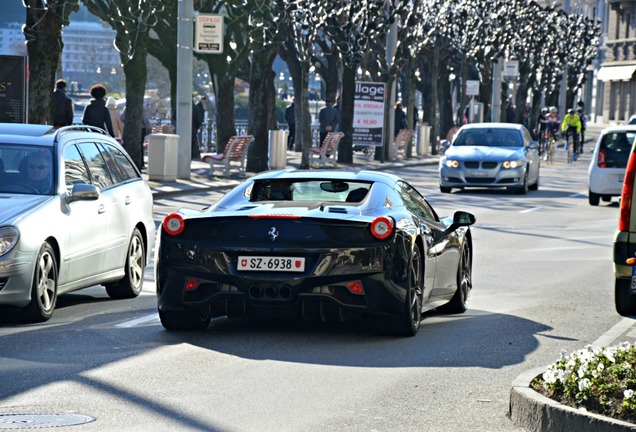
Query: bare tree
x,y
43,33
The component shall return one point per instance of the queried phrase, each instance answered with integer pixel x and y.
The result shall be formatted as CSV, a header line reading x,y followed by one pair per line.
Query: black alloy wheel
x,y
459,302
184,320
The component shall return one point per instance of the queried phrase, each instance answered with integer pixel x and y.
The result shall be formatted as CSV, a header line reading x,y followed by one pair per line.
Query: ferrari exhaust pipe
x,y
271,292
255,292
286,292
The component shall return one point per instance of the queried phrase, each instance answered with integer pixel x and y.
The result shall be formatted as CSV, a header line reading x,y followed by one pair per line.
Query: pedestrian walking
x,y
290,118
115,117
62,106
96,114
400,119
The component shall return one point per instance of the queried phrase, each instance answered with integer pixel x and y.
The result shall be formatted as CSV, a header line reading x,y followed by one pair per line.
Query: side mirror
x,y
461,219
83,192
444,144
534,145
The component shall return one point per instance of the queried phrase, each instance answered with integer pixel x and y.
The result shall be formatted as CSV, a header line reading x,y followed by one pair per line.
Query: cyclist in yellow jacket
x,y
571,125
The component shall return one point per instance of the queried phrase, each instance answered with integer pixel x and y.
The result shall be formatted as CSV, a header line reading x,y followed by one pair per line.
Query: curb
x,y
535,412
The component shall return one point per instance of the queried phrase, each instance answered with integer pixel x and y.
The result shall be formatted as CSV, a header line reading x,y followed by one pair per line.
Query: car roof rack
x,y
78,128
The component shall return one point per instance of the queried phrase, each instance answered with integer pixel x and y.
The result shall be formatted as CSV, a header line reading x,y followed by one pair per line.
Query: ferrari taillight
x,y
601,161
382,227
173,224
626,194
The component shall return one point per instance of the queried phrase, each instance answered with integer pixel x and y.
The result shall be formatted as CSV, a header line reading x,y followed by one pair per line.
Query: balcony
x,y
623,6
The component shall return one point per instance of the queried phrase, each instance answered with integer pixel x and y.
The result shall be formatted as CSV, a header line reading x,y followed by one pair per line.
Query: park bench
x,y
234,155
326,153
402,139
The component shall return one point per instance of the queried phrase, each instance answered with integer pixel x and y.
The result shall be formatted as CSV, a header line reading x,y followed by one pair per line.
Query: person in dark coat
x,y
328,119
290,118
400,119
62,106
96,114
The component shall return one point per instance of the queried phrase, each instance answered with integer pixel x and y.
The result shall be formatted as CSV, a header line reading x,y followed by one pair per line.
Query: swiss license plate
x,y
632,286
273,264
480,174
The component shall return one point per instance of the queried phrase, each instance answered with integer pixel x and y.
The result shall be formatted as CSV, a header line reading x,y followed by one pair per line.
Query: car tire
x,y
535,185
44,287
523,189
133,280
593,198
408,322
179,320
445,189
625,301
459,302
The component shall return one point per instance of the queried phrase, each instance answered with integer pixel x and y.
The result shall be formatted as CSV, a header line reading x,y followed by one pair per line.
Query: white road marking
x,y
531,209
140,320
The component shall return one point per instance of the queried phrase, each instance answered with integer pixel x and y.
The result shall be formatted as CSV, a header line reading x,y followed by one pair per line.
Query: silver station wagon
x,y
74,212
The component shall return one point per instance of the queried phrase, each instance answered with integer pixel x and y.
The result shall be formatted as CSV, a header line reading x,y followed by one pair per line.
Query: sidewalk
x,y
201,180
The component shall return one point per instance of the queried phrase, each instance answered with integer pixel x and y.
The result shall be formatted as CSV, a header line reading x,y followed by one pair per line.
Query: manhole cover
x,y
40,421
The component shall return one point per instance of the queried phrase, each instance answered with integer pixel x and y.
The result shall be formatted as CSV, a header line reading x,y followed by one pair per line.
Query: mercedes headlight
x,y
8,239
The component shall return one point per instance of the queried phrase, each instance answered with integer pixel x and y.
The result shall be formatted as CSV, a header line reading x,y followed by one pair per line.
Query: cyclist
x,y
542,125
553,122
571,126
583,118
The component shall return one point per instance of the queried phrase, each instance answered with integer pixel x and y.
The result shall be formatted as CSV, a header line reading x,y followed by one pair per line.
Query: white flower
x,y
628,394
584,383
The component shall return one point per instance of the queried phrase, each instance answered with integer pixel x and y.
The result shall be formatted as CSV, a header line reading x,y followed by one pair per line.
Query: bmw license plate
x,y
480,174
273,264
632,286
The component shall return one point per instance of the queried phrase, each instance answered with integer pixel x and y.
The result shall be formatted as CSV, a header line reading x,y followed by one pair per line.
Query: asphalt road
x,y
543,282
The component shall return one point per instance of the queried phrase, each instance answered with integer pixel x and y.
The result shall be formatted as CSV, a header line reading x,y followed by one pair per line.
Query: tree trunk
x,y
225,124
135,70
303,123
434,107
261,98
410,103
44,46
345,147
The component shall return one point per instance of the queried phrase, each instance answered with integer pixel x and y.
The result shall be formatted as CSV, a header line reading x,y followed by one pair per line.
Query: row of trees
x,y
418,42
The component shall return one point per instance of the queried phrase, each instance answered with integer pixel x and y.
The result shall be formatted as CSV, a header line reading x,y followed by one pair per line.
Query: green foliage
x,y
600,380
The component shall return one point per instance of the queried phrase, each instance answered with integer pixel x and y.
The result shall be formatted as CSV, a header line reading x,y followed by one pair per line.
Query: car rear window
x,y
617,146
314,190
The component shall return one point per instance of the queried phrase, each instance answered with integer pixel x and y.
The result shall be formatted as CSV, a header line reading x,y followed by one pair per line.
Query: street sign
x,y
208,34
472,87
368,114
511,69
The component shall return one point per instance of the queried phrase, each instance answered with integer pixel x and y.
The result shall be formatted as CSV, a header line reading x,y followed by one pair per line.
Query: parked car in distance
x,y
74,212
490,155
607,167
317,245
625,243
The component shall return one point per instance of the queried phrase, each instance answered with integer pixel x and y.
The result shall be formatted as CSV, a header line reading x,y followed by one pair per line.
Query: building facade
x,y
618,62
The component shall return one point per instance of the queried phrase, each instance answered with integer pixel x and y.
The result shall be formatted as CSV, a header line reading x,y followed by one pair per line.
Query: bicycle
x,y
571,147
550,139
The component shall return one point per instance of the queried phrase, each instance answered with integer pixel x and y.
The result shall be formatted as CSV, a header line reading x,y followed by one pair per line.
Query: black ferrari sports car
x,y
314,245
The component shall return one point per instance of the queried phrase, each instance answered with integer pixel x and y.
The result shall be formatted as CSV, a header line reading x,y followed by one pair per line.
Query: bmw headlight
x,y
512,164
450,163
8,239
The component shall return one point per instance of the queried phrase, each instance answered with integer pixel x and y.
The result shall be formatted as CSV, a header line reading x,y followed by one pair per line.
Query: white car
x,y
607,168
74,212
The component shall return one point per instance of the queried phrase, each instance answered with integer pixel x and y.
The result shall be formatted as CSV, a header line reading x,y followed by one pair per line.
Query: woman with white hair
x,y
115,117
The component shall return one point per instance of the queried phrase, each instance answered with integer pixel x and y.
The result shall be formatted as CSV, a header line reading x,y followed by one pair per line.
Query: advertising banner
x,y
368,114
13,89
